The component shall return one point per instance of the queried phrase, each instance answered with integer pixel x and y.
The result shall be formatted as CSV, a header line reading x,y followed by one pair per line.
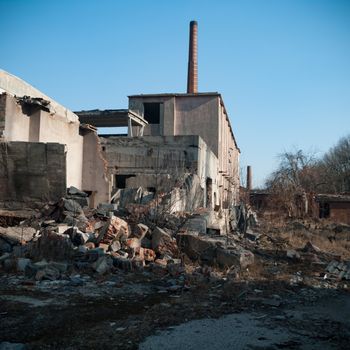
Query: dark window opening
x,y
324,210
209,187
152,112
120,180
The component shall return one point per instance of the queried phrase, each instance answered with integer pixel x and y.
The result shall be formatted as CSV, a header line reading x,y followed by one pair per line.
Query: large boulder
x,y
234,257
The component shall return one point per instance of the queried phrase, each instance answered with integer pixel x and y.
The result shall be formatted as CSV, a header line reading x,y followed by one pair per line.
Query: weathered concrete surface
x,y
32,172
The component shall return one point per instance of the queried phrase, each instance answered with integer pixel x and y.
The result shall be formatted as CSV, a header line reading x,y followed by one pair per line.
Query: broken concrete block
x,y
115,246
234,257
77,237
76,192
102,265
17,234
72,206
52,246
163,243
195,224
198,247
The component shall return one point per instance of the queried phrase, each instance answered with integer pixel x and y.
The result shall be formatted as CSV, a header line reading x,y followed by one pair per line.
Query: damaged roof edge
x,y
15,86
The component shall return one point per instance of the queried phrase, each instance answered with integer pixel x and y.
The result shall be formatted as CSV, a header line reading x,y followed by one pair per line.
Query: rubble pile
x,y
68,237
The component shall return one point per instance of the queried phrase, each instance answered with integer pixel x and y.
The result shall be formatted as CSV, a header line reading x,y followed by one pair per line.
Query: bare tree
x,y
336,167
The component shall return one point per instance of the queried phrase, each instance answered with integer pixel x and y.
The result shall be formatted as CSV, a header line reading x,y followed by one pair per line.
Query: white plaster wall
x,y
53,130
198,115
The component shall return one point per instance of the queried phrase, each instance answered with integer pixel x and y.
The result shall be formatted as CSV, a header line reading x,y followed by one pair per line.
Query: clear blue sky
x,y
282,66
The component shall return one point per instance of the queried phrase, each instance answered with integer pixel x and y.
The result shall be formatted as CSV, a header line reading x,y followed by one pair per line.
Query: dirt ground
x,y
121,310
293,296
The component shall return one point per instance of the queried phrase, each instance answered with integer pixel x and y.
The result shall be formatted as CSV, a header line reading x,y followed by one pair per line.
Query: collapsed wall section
x,y
31,173
162,163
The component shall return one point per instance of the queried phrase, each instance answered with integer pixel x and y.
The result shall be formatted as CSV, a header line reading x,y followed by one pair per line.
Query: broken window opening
x,y
152,112
120,180
324,210
209,188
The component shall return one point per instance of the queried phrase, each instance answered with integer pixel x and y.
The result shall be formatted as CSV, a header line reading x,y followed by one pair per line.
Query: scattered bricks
x,y
162,243
115,228
149,254
133,243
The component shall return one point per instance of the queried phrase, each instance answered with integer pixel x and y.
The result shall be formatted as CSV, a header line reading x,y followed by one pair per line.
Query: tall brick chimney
x,y
249,178
192,75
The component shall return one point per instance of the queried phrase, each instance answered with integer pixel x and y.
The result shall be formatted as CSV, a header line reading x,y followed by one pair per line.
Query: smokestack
x,y
249,178
192,74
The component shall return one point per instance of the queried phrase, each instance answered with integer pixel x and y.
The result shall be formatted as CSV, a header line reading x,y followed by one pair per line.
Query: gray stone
x,y
72,206
17,234
102,265
76,192
234,257
115,246
196,224
22,264
198,247
293,254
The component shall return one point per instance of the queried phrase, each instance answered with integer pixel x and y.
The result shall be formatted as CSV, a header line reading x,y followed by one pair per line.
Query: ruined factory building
x,y
44,149
172,138
177,143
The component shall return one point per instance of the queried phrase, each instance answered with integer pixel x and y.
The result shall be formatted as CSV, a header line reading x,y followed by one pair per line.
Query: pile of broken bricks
x,y
65,238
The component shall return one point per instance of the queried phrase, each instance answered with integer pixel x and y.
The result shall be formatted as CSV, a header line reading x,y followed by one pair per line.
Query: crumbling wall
x,y
31,172
164,163
95,178
40,125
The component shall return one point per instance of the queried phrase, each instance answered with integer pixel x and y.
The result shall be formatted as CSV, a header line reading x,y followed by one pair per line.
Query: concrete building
x,y
181,141
44,148
172,134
